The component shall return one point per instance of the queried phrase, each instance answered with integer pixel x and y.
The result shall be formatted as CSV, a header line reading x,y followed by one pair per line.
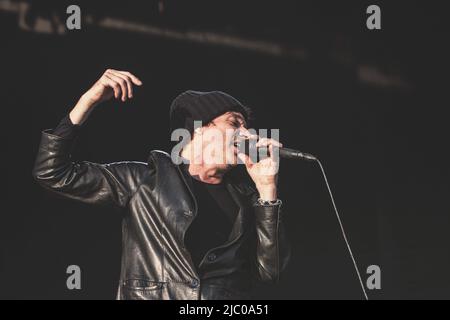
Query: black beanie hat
x,y
192,106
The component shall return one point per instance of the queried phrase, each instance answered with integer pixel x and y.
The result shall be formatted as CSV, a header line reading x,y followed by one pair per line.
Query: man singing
x,y
195,230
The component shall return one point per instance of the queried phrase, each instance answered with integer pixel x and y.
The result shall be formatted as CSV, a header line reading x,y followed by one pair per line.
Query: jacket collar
x,y
241,193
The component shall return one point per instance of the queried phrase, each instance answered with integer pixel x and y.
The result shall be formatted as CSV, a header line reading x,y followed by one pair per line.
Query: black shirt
x,y
216,213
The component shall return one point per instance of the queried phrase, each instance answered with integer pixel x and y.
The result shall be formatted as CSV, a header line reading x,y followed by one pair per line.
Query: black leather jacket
x,y
158,207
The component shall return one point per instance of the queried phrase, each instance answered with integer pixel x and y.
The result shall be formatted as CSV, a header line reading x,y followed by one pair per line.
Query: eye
x,y
235,123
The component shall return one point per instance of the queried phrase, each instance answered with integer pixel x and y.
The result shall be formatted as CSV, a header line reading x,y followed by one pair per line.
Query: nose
x,y
243,133
239,136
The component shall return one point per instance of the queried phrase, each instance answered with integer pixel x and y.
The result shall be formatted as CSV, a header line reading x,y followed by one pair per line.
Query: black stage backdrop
x,y
370,104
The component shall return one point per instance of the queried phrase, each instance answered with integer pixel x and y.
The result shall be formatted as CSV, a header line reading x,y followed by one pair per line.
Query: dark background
x,y
370,104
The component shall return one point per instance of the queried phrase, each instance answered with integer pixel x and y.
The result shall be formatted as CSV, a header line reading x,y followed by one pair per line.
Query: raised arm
x,y
85,181
112,83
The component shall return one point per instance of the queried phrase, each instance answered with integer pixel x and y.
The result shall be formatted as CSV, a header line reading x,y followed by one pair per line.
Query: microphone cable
x,y
344,235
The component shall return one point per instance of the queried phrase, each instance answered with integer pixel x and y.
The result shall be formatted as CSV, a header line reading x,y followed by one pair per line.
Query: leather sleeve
x,y
93,183
272,246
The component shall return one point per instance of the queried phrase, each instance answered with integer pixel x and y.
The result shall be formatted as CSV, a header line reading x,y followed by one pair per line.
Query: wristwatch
x,y
268,202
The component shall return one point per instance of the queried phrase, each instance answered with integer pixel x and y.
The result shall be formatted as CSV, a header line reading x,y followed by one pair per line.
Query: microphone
x,y
295,154
251,150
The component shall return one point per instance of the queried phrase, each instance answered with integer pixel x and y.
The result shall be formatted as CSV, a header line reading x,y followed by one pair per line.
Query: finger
x,y
245,159
264,142
114,75
121,82
274,157
128,81
108,82
134,79
266,165
245,133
